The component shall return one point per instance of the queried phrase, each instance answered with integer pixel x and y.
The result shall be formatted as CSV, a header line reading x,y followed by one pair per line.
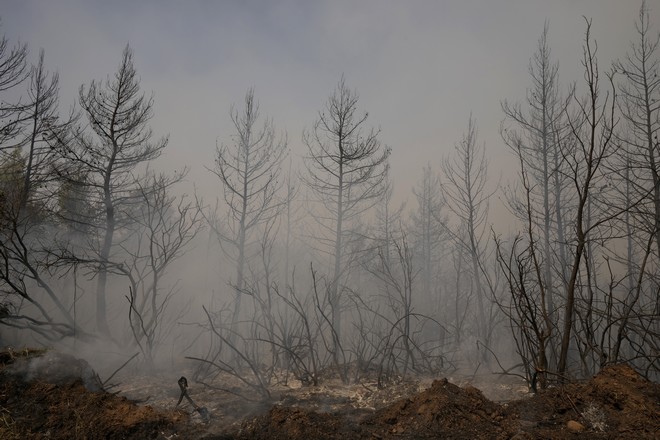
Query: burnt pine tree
x,y
429,226
103,156
28,297
249,170
43,126
13,71
467,196
639,105
533,131
346,166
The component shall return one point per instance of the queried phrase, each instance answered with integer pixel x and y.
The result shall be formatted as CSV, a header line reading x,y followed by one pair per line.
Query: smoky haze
x,y
322,184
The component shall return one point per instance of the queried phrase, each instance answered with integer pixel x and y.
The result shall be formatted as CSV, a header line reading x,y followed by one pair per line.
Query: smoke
x,y
56,368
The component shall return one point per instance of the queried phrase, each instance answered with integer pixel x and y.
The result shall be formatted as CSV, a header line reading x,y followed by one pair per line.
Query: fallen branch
x,y
103,384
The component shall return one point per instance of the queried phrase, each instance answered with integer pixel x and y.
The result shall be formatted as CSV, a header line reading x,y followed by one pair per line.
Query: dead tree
x,y
533,133
428,227
102,157
528,310
43,126
628,317
467,197
28,226
249,171
639,106
345,170
398,279
28,299
592,128
163,226
13,71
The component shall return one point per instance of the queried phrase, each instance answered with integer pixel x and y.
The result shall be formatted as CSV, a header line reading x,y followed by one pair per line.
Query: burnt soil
x,y
617,403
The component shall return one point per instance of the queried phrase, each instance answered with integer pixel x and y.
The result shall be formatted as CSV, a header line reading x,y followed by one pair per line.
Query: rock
x,y
574,426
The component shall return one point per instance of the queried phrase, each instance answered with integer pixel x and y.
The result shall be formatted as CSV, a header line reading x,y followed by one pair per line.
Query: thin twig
x,y
118,370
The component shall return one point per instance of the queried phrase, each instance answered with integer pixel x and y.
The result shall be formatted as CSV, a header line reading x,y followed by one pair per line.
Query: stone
x,y
574,426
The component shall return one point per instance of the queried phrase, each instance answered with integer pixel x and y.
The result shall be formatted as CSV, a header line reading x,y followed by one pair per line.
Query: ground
x,y
38,401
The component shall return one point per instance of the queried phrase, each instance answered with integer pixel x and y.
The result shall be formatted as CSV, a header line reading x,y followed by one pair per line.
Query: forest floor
x,y
47,396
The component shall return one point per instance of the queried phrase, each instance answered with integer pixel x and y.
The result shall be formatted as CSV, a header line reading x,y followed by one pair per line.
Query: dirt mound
x,y
286,423
36,409
616,403
442,411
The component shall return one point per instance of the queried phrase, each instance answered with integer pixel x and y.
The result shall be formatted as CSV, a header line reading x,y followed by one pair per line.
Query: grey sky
x,y
420,66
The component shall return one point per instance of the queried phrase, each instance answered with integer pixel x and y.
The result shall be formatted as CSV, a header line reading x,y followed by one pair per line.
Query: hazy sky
x,y
420,67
